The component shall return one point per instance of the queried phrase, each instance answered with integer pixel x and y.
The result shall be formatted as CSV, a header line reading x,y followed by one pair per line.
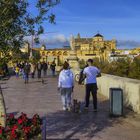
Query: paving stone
x,y
44,99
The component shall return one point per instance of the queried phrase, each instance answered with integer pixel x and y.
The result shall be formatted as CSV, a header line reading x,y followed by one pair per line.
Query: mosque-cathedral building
x,y
85,48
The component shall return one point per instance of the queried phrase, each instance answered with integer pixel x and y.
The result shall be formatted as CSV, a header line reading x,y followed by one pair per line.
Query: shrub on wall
x,y
121,67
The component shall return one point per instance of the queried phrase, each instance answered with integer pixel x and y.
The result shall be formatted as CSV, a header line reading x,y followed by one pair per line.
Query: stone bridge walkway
x,y
36,97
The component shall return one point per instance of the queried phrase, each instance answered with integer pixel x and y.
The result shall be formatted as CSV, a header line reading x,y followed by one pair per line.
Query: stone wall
x,y
131,89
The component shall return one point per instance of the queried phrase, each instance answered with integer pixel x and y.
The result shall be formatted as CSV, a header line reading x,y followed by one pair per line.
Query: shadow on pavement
x,y
2,83
5,87
62,139
70,125
37,81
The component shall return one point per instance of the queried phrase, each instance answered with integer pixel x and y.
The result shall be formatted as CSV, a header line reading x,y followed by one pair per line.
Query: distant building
x,y
57,54
94,47
124,53
85,48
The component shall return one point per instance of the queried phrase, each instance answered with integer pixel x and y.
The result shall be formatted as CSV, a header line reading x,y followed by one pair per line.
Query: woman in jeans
x,y
66,85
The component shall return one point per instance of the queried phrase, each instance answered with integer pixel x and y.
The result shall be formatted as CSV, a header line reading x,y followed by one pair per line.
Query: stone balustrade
x,y
131,89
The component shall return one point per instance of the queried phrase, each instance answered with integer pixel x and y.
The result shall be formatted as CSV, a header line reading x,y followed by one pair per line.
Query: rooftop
x,y
98,35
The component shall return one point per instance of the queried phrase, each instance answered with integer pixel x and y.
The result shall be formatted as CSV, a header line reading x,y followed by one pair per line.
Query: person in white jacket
x,y
66,85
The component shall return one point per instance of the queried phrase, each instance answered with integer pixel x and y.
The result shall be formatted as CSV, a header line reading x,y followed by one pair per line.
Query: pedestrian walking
x,y
52,67
22,69
26,72
39,68
44,68
91,72
66,85
82,76
5,69
17,69
33,68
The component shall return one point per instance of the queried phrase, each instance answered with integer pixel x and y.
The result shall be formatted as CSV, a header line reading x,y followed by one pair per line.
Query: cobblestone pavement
x,y
36,97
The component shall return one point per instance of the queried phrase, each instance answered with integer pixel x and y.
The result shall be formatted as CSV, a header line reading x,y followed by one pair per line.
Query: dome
x,y
98,35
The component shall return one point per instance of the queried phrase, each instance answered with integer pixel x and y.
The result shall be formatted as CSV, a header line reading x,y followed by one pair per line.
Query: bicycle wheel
x,y
77,76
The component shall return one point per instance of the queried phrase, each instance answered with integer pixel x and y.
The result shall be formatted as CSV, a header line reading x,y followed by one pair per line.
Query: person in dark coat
x,y
44,68
39,68
82,76
52,66
5,69
26,72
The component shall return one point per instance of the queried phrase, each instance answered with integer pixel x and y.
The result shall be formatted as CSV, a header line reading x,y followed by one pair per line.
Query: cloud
x,y
53,41
127,44
60,38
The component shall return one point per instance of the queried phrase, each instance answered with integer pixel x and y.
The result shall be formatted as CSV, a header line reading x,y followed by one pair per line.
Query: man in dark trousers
x,y
44,67
26,72
52,66
91,73
39,68
5,69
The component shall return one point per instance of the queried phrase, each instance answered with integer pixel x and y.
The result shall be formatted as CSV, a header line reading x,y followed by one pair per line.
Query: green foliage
x,y
36,56
134,70
17,22
121,67
113,51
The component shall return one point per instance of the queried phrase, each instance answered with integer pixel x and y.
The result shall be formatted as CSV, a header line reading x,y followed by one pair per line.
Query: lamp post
x,y
31,49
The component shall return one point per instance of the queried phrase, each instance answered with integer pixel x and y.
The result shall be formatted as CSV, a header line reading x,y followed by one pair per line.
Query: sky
x,y
114,19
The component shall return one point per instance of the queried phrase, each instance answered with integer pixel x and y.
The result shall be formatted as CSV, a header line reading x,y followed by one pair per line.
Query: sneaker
x,y
64,108
68,109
